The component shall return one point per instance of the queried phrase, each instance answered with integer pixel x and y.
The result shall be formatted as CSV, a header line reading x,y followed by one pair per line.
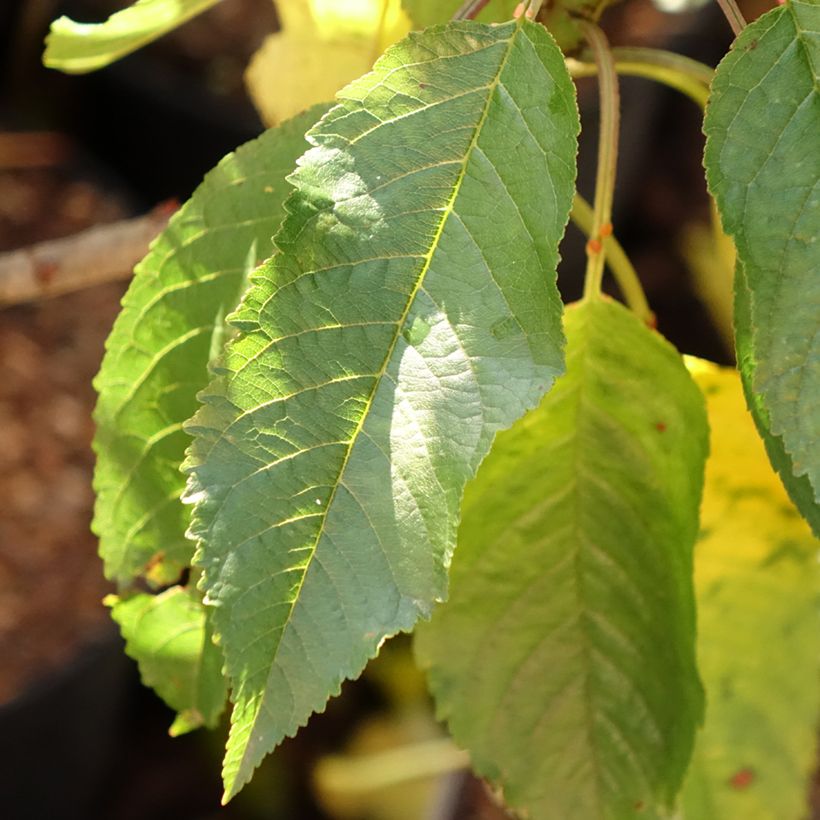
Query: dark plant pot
x,y
56,738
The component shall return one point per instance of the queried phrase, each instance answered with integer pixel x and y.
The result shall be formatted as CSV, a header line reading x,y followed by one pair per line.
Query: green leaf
x,y
169,637
799,489
78,48
763,166
564,658
158,352
411,313
425,13
758,593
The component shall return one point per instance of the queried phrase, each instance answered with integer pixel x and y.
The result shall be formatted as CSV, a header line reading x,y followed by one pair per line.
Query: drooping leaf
x,y
564,658
425,13
77,48
763,166
411,313
758,593
169,637
158,352
322,46
798,488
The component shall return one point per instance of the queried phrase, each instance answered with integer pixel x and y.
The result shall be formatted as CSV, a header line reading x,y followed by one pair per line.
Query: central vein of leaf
x,y
446,213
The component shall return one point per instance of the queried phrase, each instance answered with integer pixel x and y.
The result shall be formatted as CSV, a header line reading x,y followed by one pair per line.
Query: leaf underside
x,y
77,48
758,593
798,487
169,637
158,352
410,314
563,660
763,167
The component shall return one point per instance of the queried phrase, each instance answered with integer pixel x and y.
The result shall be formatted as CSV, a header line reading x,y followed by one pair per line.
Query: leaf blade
x,y
764,172
369,364
77,48
169,637
799,488
563,659
758,588
158,352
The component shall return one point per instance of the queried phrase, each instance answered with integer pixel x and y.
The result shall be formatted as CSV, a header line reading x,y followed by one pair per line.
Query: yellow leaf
x,y
757,581
323,45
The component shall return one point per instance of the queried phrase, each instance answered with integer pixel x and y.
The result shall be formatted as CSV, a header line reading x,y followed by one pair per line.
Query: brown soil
x,y
51,582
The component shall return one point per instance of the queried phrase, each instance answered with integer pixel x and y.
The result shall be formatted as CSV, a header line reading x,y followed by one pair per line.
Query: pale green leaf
x,y
758,593
564,658
425,13
763,166
77,48
411,313
799,488
170,639
158,351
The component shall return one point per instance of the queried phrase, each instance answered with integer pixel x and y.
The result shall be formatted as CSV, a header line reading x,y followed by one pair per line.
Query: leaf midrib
x,y
580,596
446,213
579,537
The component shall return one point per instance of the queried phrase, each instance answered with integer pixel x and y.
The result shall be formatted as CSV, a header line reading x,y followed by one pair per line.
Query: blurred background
x,y
79,736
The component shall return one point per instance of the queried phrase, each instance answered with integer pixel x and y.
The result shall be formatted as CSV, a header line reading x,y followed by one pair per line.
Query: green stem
x,y
607,156
617,260
674,70
469,9
733,15
533,8
377,42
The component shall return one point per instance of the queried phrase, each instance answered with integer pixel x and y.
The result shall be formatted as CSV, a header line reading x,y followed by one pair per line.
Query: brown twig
x,y
101,254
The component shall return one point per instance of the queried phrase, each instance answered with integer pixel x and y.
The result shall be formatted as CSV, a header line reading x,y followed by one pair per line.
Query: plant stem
x,y
674,70
607,156
377,41
469,9
617,260
533,8
733,15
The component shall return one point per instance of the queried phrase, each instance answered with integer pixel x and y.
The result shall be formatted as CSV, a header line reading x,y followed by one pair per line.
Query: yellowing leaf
x,y
335,18
323,45
77,48
757,582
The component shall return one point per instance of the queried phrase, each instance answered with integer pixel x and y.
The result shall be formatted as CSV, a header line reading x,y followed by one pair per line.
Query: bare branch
x,y
100,254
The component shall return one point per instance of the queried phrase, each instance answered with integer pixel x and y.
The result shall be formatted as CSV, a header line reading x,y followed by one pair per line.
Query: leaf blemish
x,y
742,779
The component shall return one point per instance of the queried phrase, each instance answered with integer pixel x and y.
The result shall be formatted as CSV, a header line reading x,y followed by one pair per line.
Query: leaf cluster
x,y
294,434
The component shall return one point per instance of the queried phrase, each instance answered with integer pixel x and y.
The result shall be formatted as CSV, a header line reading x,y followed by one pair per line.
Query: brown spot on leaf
x,y
742,779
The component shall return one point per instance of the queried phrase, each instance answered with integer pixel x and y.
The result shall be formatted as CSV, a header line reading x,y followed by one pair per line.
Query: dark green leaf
x,y
159,349
564,659
763,166
799,489
411,314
